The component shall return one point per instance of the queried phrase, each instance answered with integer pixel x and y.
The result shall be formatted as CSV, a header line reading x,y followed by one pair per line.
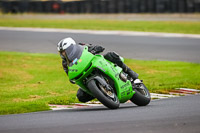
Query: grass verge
x,y
29,82
144,26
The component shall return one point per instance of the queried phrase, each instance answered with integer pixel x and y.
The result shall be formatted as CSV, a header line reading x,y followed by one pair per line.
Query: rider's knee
x,y
83,96
114,57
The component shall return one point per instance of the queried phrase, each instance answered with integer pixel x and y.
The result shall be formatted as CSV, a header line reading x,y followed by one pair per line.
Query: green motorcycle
x,y
106,81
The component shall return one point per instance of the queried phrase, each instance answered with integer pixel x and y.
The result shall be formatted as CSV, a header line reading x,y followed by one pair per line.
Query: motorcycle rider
x,y
68,50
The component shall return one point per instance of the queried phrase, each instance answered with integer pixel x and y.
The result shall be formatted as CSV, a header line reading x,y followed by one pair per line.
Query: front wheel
x,y
106,96
142,96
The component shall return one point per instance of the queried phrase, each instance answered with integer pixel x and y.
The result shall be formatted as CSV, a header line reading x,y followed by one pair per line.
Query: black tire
x,y
102,97
142,96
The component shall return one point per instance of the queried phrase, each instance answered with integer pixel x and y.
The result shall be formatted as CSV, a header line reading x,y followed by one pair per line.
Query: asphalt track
x,y
135,47
173,115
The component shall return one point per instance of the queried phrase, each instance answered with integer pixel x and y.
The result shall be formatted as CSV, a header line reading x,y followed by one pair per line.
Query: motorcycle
x,y
106,81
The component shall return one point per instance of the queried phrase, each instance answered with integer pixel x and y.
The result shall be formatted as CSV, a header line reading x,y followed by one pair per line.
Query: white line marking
x,y
188,89
122,33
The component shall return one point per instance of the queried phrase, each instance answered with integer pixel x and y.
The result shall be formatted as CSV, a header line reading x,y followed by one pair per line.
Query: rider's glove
x,y
96,49
93,49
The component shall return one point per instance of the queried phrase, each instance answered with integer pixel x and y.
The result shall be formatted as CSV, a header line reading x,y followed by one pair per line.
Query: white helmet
x,y
65,43
68,49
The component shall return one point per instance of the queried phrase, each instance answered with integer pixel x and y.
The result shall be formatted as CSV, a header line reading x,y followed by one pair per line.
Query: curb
x,y
185,91
175,93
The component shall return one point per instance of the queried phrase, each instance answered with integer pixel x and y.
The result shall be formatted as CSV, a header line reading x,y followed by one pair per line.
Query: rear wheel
x,y
105,95
142,96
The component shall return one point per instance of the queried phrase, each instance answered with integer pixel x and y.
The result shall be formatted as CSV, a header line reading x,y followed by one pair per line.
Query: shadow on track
x,y
102,108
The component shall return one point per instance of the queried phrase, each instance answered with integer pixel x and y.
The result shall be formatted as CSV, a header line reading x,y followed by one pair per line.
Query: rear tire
x,y
142,96
110,102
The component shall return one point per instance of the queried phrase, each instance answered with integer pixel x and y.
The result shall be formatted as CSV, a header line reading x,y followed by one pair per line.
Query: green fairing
x,y
83,67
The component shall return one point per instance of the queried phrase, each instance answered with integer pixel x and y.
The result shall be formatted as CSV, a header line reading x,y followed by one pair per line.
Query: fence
x,y
102,6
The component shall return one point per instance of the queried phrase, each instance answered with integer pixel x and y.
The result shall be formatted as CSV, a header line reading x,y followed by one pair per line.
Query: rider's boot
x,y
130,72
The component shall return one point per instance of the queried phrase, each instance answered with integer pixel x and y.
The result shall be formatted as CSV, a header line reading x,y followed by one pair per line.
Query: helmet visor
x,y
72,52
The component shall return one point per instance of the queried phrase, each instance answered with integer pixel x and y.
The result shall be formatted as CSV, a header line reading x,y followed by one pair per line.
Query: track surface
x,y
137,47
173,115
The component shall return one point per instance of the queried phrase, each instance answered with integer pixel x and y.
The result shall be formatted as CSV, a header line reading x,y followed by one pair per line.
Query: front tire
x,y
142,96
109,100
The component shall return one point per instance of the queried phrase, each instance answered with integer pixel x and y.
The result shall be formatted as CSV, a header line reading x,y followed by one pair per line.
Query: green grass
x,y
146,26
29,82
